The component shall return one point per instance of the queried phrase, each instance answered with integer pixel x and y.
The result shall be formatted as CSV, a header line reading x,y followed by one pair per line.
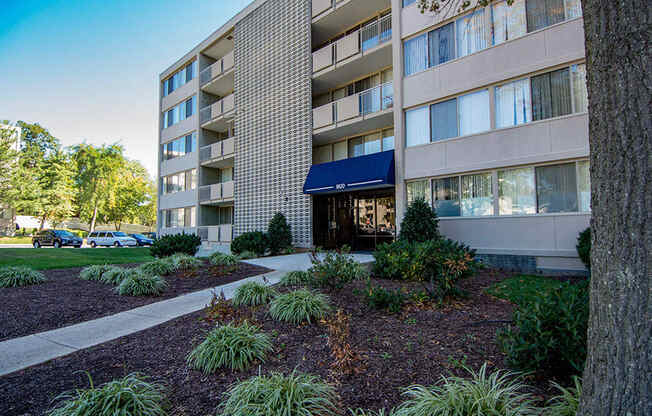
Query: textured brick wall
x,y
274,117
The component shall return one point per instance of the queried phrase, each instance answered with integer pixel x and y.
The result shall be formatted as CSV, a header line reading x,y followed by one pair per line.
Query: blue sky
x,y
88,69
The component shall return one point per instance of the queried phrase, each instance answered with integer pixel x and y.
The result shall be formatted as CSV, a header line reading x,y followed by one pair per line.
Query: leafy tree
x,y
8,161
57,188
133,188
279,233
420,222
618,371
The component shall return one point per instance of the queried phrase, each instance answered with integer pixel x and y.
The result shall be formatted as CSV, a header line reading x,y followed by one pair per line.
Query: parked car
x,y
151,236
142,240
56,238
110,238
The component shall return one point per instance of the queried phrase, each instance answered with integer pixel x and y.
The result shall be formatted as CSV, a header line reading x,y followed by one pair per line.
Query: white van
x,y
110,238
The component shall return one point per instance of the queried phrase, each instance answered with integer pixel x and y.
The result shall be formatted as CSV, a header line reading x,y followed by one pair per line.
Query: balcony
x,y
218,79
364,51
364,111
216,233
330,17
218,155
216,117
216,194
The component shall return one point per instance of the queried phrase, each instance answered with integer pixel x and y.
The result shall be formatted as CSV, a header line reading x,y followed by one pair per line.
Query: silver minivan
x,y
110,238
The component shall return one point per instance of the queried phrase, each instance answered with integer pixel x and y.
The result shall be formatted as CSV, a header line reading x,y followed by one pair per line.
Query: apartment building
x,y
338,113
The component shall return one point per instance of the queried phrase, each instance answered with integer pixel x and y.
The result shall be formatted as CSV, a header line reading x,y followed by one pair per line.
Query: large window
x,y
507,21
408,2
416,54
181,77
182,181
418,189
180,112
513,104
380,141
551,94
477,195
557,188
417,126
225,215
471,33
180,147
516,193
441,45
473,110
446,194
179,217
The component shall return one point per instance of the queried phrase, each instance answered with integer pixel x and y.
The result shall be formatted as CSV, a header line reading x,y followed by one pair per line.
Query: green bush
x,y
253,241
245,255
495,394
420,222
335,269
158,267
567,403
279,234
393,260
114,275
179,243
182,261
221,259
298,306
230,346
19,276
584,247
549,334
296,278
131,395
94,272
136,283
378,297
276,394
253,294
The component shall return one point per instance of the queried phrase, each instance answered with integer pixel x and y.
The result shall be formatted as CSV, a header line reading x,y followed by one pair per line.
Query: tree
x,y
57,188
133,188
618,372
279,233
96,178
8,160
420,222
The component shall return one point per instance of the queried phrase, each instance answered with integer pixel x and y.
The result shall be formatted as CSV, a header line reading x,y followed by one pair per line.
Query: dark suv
x,y
56,238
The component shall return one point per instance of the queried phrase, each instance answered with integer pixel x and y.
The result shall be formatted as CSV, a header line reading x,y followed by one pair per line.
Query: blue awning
x,y
370,171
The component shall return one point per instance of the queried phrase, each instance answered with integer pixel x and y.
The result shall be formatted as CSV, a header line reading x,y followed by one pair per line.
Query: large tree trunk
x,y
618,373
93,219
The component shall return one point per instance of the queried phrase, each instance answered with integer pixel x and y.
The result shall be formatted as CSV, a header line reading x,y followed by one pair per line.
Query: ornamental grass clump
x,y
245,255
567,403
131,395
296,278
276,394
230,346
158,267
298,306
114,275
221,259
136,283
496,394
19,276
183,261
253,294
94,272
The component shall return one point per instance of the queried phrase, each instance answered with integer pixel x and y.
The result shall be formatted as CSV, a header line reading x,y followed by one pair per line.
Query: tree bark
x,y
618,372
93,219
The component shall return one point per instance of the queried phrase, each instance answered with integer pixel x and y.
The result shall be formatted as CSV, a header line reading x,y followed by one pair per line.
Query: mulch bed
x,y
65,299
417,345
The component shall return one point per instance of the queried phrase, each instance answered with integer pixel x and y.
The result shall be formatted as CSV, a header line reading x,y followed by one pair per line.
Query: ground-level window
x,y
418,189
179,217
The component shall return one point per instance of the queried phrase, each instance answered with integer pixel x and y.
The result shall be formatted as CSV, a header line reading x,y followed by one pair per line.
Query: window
x,y
388,139
418,189
180,147
372,143
183,181
471,33
542,13
516,193
556,188
584,185
441,45
580,96
473,110
415,54
179,217
321,154
225,215
416,127
408,2
443,120
180,112
513,104
447,196
551,94
508,22
340,150
179,78
356,147
477,195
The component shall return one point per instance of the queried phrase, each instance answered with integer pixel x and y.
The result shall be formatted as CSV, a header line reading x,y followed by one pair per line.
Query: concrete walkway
x,y
299,261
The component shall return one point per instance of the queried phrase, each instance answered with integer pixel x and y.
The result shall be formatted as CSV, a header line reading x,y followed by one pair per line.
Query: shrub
x,y
247,255
495,394
137,283
296,278
277,394
298,306
19,276
335,269
131,395
567,403
279,234
179,243
253,241
420,222
393,260
380,298
182,261
114,275
584,247
549,333
94,272
221,259
158,267
230,346
253,294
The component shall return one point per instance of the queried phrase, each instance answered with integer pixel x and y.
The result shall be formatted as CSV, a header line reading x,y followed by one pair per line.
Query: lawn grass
x,y
522,289
16,240
61,258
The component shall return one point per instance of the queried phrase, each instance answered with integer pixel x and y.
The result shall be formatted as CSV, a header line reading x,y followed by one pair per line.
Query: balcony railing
x,y
216,192
217,109
368,37
363,103
217,69
216,233
217,150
